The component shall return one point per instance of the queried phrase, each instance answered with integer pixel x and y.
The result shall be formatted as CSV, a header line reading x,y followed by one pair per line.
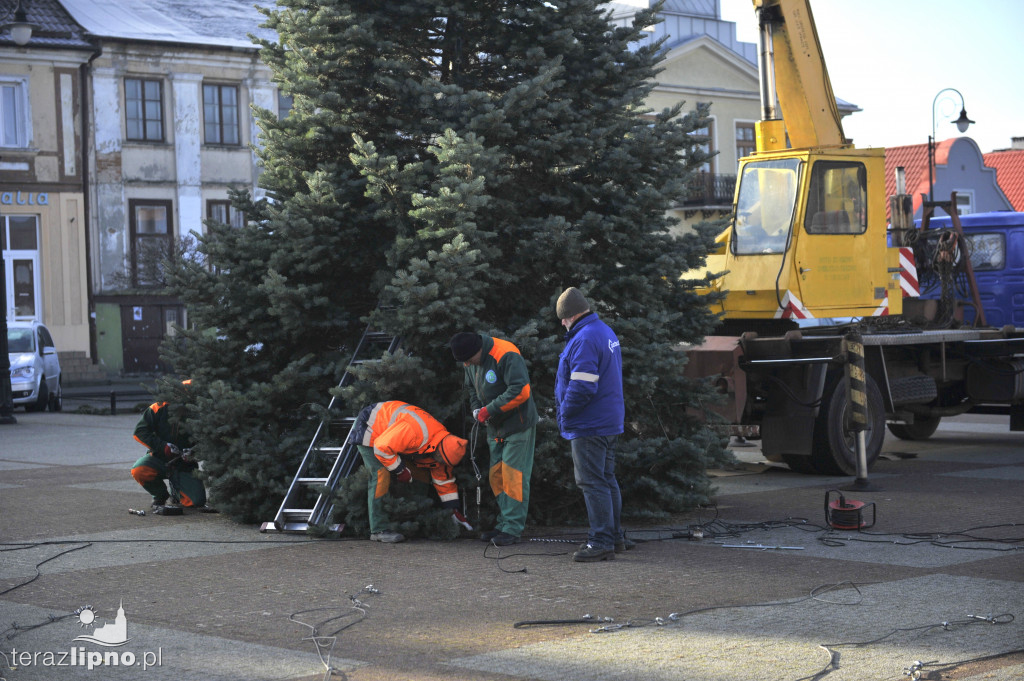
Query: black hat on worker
x,y
464,345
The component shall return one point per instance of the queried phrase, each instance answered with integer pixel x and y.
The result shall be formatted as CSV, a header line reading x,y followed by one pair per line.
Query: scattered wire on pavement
x,y
325,641
42,562
914,670
499,558
817,593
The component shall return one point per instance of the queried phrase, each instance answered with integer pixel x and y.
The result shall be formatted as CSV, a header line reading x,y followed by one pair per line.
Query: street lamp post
x,y
21,34
961,125
6,396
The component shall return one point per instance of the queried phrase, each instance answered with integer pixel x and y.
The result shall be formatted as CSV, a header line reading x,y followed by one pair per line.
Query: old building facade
x,y
133,122
42,174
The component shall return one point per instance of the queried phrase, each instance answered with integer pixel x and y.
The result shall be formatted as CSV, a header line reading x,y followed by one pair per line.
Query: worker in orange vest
x,y
391,437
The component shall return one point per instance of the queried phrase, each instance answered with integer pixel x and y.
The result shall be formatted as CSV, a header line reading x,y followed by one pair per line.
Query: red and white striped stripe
x,y
792,308
908,273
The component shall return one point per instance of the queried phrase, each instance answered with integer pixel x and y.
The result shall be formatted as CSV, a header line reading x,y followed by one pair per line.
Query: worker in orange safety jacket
x,y
391,437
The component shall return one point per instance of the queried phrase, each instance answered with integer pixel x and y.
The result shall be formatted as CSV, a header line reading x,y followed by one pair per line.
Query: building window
x,y
151,233
143,110
285,103
223,212
964,201
13,113
746,143
707,145
220,114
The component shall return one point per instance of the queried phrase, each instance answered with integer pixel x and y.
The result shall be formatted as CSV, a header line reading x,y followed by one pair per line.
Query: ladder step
x,y
301,512
345,458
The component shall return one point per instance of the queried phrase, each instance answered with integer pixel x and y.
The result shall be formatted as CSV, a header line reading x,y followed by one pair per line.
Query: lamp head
x,y
963,121
20,28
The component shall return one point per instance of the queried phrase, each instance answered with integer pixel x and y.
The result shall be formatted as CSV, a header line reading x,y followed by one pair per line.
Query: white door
x,y
21,267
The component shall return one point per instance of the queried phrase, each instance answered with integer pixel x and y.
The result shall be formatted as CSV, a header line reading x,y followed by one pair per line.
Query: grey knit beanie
x,y
571,303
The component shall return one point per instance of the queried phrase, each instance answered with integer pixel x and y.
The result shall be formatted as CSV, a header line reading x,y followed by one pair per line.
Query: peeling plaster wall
x,y
264,95
180,168
108,206
187,152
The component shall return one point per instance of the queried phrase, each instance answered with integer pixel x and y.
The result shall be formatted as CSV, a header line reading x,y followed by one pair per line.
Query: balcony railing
x,y
710,189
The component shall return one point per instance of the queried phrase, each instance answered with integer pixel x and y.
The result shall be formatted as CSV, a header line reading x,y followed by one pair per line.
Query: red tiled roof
x,y
1009,165
914,160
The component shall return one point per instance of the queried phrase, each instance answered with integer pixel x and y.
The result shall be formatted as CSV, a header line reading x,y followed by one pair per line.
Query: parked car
x,y
35,368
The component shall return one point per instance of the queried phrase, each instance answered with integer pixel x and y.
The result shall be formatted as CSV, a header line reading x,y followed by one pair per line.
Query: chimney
x,y
1017,142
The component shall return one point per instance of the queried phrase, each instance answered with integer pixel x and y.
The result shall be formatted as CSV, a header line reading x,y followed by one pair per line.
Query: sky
x,y
893,58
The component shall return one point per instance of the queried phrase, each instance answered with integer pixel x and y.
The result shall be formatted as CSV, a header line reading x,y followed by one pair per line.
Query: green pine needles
x,y
460,163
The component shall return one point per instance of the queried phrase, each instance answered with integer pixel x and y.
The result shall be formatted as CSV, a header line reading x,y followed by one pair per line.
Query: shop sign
x,y
19,198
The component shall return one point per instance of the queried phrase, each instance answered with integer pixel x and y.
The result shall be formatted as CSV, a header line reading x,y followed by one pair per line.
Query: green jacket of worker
x,y
501,384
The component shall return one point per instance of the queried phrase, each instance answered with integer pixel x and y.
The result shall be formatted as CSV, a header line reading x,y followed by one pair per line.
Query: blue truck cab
x,y
997,255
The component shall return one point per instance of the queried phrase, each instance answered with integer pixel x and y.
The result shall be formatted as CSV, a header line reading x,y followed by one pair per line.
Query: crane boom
x,y
792,65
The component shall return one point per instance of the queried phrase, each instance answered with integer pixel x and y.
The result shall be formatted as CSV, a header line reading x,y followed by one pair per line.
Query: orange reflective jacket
x,y
397,428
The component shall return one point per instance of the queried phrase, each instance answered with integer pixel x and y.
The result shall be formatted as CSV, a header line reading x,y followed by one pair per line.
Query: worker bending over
x,y
391,437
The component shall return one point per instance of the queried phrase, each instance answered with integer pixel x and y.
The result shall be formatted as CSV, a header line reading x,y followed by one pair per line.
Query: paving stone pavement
x,y
768,593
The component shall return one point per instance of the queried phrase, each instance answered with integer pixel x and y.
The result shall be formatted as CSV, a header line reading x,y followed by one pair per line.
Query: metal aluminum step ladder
x,y
326,462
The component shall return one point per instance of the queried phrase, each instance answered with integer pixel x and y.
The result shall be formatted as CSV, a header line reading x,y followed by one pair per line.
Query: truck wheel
x,y
922,428
835,445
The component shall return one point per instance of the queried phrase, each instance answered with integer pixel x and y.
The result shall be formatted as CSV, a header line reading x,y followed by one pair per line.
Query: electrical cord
x,y
915,667
611,625
41,563
933,538
914,670
20,546
500,558
356,613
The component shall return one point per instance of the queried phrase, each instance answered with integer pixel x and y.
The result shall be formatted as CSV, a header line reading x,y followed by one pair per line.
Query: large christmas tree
x,y
459,163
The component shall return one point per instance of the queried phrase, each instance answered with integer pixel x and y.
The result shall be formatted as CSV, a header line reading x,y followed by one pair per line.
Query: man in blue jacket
x,y
591,411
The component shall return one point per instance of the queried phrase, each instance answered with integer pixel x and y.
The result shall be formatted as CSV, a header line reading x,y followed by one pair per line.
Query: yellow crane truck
x,y
809,255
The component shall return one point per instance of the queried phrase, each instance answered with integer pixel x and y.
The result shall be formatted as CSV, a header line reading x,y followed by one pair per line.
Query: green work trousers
x,y
151,471
510,471
377,488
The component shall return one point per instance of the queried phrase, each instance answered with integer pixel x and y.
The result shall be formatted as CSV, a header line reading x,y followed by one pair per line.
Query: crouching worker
x,y
391,437
162,430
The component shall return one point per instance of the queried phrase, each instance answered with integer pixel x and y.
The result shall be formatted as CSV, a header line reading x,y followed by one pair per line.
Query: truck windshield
x,y
765,207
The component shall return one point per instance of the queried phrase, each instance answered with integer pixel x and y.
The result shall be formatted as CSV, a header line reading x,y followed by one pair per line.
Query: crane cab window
x,y
837,199
765,206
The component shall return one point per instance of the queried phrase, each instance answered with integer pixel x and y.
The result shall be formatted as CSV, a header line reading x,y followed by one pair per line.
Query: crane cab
x,y
808,238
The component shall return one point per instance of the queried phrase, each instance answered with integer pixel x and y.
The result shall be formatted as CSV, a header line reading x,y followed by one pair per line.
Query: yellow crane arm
x,y
809,110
